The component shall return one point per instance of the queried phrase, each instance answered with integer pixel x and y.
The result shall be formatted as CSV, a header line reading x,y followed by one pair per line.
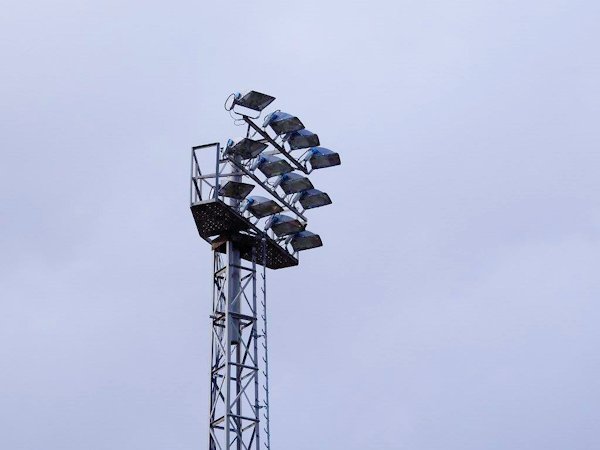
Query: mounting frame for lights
x,y
243,239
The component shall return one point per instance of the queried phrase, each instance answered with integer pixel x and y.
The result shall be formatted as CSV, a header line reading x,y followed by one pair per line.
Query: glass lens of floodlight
x,y
323,157
246,148
313,198
283,225
302,139
292,183
235,189
262,206
282,123
305,240
256,101
272,166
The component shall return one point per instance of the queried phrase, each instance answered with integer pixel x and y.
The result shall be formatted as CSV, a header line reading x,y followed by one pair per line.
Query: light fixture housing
x,y
261,206
282,123
271,166
313,198
301,139
305,240
293,182
283,225
245,148
256,101
321,157
236,190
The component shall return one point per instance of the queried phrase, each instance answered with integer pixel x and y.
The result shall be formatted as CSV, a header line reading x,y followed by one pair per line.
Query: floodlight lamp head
x,y
245,148
301,139
271,166
292,183
312,198
236,190
304,240
321,157
253,100
261,207
283,225
282,123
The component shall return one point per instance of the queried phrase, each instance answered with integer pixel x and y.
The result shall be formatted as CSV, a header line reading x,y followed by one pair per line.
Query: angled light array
x,y
270,162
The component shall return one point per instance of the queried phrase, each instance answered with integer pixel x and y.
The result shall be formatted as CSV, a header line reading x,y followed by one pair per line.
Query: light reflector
x,y
292,183
254,100
235,189
321,157
313,198
245,148
305,240
283,225
301,139
282,123
271,166
262,206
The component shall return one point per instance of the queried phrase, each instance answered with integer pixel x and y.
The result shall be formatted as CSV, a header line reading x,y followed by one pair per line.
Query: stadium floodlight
x,y
282,123
271,166
312,198
292,183
253,100
236,189
321,157
305,240
283,225
245,148
301,139
261,206
249,234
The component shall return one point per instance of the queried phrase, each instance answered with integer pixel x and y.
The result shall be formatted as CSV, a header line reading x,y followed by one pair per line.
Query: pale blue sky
x,y
458,305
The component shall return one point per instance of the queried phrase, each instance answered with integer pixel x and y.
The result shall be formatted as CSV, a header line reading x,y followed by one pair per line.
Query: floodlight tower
x,y
249,234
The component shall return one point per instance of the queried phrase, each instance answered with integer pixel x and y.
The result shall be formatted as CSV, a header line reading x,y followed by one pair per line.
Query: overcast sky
x,y
455,303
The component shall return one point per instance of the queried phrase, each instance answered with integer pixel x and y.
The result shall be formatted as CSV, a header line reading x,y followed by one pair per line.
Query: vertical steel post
x,y
265,346
234,263
255,349
237,359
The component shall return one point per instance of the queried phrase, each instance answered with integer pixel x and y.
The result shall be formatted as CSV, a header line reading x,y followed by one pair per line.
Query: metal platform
x,y
218,222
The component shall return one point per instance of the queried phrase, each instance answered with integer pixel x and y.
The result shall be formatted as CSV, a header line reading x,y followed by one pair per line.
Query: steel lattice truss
x,y
239,383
